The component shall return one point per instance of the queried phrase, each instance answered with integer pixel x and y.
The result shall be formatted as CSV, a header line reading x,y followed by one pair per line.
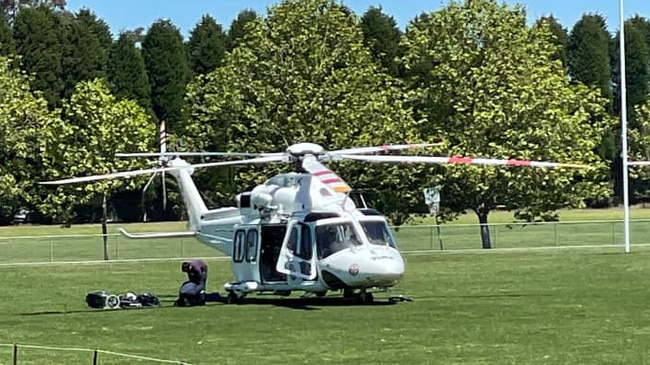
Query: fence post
x,y
95,356
117,247
15,357
432,236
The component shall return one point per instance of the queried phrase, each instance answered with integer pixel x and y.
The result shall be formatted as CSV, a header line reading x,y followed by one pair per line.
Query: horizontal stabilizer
x,y
156,235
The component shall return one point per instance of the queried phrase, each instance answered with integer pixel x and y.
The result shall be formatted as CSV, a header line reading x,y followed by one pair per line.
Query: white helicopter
x,y
298,231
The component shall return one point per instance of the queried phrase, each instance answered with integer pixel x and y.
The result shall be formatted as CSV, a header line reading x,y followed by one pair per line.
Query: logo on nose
x,y
354,270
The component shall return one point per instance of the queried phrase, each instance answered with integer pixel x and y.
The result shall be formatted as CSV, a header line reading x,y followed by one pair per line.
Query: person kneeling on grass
x,y
192,291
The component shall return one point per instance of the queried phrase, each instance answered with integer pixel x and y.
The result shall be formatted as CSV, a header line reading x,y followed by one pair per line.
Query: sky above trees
x,y
129,14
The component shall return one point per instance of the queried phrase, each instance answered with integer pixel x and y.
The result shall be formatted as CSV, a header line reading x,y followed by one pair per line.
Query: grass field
x,y
569,306
560,307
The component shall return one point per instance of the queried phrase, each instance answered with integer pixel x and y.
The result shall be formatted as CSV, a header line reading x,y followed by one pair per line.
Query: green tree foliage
x,y
206,46
10,8
637,60
40,40
88,44
495,93
127,74
382,36
639,150
304,75
95,126
237,30
588,53
7,44
636,73
643,25
23,119
559,37
589,63
168,71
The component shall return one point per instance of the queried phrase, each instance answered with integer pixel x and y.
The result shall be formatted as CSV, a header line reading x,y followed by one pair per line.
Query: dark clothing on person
x,y
190,294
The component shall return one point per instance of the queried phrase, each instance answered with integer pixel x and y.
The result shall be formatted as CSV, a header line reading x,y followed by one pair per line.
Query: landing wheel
x,y
366,298
348,293
232,298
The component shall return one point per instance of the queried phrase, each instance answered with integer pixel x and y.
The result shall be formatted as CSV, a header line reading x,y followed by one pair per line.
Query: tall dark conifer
x,y
560,37
40,40
637,74
7,45
207,45
643,25
237,29
127,74
87,47
588,53
167,68
381,35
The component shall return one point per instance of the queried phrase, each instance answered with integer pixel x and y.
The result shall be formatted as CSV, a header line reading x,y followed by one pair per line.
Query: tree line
x,y
471,74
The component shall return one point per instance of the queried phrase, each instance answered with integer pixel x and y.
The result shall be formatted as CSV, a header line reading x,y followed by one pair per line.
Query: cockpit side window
x,y
378,233
332,238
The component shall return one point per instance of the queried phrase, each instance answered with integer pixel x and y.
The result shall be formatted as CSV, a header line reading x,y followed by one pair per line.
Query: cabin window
x,y
305,249
238,248
251,245
293,239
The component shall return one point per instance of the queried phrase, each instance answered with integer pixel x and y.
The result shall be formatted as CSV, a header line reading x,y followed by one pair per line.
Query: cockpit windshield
x,y
378,233
331,238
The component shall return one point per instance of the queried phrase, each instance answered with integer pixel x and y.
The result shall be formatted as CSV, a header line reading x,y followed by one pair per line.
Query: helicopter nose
x,y
385,270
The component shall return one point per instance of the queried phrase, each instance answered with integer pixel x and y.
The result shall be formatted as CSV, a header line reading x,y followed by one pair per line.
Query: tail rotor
x,y
163,161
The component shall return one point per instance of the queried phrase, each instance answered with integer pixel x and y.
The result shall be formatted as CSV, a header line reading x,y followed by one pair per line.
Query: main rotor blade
x,y
171,154
163,169
638,163
461,160
360,150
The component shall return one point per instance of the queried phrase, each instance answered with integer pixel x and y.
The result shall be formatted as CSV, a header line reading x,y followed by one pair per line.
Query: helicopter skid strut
x,y
395,298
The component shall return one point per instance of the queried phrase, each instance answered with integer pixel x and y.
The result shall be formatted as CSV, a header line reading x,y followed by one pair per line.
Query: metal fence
x,y
20,354
410,238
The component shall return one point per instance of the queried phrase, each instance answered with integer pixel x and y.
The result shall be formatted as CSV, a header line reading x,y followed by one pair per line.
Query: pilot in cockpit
x,y
326,237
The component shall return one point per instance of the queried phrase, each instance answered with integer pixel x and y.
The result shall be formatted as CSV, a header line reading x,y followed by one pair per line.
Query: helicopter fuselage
x,y
281,237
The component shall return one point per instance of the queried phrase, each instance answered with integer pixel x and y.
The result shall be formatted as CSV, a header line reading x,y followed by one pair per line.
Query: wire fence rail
x,y
34,250
93,354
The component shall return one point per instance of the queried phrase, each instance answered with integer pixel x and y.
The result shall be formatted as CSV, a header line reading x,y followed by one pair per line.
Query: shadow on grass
x,y
311,303
89,311
291,303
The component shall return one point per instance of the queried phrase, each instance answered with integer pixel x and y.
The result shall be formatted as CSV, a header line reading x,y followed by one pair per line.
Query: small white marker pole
x,y
626,199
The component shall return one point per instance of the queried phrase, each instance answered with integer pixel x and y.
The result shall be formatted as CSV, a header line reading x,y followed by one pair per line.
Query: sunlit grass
x,y
561,307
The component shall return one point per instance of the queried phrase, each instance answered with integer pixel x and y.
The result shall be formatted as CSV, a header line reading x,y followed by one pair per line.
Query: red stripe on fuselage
x,y
332,180
322,172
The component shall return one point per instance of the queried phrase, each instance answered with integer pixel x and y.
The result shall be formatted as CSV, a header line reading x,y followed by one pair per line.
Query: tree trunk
x,y
485,229
104,228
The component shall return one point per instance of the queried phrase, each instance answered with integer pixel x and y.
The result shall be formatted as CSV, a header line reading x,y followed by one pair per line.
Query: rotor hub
x,y
303,149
